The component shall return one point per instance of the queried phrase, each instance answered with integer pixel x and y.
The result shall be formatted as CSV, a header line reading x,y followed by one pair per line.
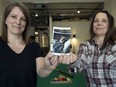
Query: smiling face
x,y
100,24
15,21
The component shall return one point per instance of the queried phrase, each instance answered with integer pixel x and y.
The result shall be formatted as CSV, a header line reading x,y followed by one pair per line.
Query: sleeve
x,y
1,46
111,56
78,66
1,42
38,50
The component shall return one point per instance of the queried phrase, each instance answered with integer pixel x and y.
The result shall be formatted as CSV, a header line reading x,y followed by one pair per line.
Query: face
x,y
15,21
100,25
62,39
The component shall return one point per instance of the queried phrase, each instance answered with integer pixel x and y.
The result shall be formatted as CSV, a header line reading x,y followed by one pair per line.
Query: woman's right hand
x,y
67,59
51,60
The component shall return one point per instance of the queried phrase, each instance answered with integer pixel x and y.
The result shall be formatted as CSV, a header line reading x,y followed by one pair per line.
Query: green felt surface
x,y
77,81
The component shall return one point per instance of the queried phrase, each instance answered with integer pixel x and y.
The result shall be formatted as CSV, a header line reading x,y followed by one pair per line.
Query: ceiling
x,y
62,11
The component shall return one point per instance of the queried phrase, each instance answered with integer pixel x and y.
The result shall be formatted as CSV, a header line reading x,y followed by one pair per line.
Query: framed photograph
x,y
60,42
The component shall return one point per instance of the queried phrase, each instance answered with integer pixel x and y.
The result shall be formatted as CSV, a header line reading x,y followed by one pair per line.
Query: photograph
x,y
60,42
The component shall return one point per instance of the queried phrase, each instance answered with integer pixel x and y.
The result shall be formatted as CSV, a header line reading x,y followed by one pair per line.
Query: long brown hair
x,y
25,11
109,37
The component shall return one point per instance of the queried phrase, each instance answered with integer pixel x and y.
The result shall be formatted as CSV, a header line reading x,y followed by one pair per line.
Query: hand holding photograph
x,y
61,40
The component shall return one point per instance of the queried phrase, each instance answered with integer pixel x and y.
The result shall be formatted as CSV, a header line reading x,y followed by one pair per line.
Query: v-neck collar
x,y
14,51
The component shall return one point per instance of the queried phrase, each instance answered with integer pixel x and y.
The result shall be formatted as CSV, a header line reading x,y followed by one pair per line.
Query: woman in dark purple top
x,y
21,61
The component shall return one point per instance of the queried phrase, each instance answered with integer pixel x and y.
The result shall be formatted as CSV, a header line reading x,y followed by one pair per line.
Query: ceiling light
x,y
36,33
78,11
36,15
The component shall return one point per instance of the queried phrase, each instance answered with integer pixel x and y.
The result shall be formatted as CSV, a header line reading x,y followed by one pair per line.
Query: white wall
x,y
1,13
79,28
113,9
110,6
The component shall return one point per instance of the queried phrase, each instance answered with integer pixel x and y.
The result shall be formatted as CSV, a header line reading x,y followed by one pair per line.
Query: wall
x,y
110,6
113,9
1,13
